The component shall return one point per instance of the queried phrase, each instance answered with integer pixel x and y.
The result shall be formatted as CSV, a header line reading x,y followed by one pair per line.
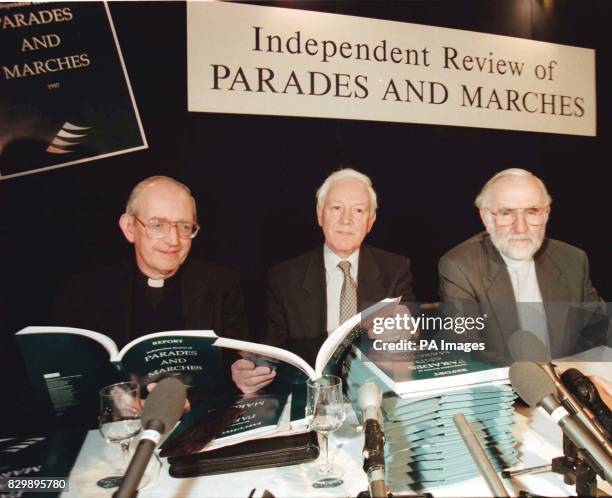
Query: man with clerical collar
x,y
514,262
161,289
309,296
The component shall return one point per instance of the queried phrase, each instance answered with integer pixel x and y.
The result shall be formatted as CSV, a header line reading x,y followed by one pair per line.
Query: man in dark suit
x,y
312,294
515,263
159,290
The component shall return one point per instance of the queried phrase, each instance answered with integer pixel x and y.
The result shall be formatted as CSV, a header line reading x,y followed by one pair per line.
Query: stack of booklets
x,y
423,447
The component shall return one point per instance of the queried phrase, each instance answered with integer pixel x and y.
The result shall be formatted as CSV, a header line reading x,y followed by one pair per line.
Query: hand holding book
x,y
252,374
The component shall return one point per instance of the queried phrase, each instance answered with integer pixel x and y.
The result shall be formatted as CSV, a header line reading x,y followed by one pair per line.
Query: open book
x,y
331,352
67,366
277,411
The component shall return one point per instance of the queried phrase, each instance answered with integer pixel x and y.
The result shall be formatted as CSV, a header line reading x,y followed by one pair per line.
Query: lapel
x,y
313,300
554,290
551,280
370,285
499,290
195,294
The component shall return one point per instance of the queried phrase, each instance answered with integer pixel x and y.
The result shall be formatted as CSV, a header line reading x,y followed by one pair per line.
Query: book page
x,y
105,341
336,339
66,368
190,355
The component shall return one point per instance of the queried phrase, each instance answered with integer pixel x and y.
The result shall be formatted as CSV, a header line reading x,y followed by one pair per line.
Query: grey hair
x,y
483,197
131,207
341,175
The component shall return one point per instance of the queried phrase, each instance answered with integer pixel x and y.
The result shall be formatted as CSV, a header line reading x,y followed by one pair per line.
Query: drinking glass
x,y
120,409
325,414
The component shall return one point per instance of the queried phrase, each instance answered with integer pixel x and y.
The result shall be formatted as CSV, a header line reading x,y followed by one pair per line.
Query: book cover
x,y
67,367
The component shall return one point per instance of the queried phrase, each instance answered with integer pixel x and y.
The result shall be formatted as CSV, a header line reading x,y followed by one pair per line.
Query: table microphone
x,y
526,346
575,406
536,388
370,398
161,412
585,392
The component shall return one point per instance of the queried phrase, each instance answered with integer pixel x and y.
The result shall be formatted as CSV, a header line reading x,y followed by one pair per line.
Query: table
x,y
539,436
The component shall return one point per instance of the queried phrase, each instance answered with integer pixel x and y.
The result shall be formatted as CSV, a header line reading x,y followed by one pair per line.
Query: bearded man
x,y
517,277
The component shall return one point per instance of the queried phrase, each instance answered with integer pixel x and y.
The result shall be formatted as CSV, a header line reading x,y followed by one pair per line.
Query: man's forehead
x,y
348,189
516,192
162,199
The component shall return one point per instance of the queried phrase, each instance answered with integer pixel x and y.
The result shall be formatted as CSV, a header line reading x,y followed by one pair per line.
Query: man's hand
x,y
250,378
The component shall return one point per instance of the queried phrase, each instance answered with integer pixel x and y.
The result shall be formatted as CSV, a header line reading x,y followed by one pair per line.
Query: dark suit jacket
x,y
297,296
474,272
101,300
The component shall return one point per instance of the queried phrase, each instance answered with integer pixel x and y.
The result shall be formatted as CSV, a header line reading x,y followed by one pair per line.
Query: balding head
x,y
153,182
516,178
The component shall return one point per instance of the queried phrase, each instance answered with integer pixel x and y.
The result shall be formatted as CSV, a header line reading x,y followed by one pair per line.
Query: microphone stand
x,y
574,469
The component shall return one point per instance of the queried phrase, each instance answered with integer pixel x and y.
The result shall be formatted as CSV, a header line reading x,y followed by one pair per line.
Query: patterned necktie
x,y
348,294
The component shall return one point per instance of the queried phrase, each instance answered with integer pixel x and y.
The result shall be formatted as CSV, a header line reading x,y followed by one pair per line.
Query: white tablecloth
x,y
540,442
539,436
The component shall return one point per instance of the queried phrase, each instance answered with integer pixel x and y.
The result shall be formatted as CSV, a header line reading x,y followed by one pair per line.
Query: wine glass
x,y
325,414
120,409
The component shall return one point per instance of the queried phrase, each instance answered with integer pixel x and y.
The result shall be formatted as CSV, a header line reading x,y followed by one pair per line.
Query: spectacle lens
x,y
158,228
532,216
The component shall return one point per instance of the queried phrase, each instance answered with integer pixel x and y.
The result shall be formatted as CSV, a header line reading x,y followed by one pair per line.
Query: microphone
x,y
526,346
479,456
532,384
575,407
369,398
161,412
585,392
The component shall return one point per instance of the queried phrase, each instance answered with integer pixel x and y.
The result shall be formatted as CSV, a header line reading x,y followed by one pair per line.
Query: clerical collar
x,y
155,283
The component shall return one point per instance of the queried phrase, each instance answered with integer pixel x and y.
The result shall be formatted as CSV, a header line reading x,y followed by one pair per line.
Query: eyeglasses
x,y
533,216
157,228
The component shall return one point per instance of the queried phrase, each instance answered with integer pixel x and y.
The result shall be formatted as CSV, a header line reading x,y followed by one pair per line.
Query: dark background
x,y
254,177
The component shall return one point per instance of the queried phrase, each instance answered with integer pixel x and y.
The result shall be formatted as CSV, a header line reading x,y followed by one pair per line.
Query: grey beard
x,y
502,244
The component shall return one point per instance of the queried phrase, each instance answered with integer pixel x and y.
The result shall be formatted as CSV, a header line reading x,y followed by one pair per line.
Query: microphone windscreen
x,y
165,403
369,396
531,382
526,346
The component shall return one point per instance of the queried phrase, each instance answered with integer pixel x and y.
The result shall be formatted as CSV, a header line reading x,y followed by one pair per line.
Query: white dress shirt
x,y
531,314
334,279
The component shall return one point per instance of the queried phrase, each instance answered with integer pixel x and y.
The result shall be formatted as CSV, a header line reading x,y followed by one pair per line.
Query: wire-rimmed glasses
x,y
157,228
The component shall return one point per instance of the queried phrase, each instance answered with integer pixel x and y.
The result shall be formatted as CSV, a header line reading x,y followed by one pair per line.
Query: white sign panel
x,y
248,59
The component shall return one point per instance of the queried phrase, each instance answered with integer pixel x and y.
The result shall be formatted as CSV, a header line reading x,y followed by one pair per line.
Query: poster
x,y
65,95
249,59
